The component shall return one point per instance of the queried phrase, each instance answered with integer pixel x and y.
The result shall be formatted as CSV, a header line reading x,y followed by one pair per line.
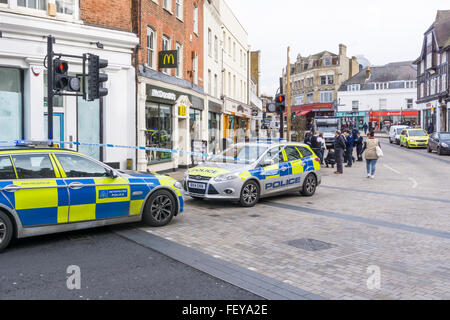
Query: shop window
x,y
195,124
88,126
11,104
58,101
213,132
159,131
3,1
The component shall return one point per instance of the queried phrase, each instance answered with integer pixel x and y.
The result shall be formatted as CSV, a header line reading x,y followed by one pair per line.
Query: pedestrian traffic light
x,y
294,115
61,79
280,100
96,78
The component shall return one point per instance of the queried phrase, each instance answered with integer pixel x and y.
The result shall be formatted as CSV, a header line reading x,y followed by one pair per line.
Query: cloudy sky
x,y
383,30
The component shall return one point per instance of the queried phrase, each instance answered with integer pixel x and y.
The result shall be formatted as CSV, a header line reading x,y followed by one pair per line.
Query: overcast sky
x,y
382,30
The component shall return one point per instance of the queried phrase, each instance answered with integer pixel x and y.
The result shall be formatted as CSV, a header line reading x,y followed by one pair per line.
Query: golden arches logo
x,y
168,58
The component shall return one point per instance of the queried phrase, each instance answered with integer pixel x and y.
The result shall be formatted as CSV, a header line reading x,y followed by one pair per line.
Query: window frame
x,y
100,164
152,30
179,9
179,69
195,19
43,154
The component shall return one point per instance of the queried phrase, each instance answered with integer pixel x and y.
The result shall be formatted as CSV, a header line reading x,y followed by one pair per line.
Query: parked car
x,y
48,190
247,172
414,138
394,133
439,142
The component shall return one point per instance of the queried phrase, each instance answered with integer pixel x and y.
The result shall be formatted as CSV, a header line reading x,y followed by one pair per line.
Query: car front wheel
x,y
6,231
439,151
160,208
429,149
249,194
309,186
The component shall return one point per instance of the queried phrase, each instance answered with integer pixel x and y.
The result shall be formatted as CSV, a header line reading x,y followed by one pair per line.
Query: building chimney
x,y
368,73
342,50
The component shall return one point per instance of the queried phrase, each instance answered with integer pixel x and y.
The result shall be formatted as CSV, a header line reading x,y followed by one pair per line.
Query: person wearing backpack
x,y
372,147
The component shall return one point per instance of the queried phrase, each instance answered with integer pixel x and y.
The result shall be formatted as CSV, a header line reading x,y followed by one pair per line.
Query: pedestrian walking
x,y
372,154
359,146
349,143
339,149
323,147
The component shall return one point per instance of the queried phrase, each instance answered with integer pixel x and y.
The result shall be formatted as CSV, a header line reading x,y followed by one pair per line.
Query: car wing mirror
x,y
112,174
267,162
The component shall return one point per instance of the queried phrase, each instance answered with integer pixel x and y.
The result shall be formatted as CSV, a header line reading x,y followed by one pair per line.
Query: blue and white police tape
x,y
107,145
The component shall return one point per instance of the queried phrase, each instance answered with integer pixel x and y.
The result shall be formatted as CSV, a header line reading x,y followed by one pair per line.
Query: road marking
x,y
392,169
415,184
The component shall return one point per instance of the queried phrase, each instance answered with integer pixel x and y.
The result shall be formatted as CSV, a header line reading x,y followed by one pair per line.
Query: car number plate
x,y
200,186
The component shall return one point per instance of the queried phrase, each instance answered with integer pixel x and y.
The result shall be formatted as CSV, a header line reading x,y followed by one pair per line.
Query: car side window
x,y
305,152
6,169
78,167
275,154
33,166
292,153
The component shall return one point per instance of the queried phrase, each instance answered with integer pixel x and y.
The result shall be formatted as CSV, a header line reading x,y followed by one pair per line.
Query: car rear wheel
x,y
249,194
309,186
160,208
429,149
390,140
6,231
439,151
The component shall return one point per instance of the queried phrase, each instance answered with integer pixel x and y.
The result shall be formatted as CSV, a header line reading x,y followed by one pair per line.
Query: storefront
x,y
236,120
173,120
310,111
23,87
352,119
394,117
215,111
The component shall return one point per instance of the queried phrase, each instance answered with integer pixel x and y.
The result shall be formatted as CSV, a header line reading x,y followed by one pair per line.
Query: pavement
x,y
329,245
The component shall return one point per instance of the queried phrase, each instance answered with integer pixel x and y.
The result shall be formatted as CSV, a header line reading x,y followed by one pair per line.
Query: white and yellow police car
x,y
49,190
248,171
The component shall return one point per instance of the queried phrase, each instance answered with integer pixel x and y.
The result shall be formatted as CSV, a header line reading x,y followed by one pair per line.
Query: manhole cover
x,y
310,244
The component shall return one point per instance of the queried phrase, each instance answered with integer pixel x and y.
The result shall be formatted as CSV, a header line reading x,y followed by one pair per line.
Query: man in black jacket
x,y
339,149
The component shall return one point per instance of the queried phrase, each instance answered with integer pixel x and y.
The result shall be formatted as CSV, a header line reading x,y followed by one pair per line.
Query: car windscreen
x,y
399,131
417,133
326,129
244,154
444,136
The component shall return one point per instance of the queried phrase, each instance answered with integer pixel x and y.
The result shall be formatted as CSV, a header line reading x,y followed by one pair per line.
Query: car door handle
x,y
12,188
76,185
284,169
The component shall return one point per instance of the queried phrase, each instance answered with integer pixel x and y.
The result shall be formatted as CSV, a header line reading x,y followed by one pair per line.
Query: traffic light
x,y
294,115
61,80
280,100
96,78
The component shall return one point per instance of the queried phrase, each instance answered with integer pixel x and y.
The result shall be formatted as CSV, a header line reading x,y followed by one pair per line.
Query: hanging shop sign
x,y
168,59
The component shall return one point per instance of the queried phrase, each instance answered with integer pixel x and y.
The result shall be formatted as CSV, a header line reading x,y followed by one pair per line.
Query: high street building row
x,y
209,99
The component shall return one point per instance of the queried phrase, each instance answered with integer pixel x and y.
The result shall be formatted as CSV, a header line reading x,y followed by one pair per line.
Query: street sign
x,y
168,59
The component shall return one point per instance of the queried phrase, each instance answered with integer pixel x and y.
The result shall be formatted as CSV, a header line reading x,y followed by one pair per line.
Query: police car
x,y
247,172
48,190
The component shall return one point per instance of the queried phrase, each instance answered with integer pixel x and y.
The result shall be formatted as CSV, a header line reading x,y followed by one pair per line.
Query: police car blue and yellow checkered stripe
x,y
51,201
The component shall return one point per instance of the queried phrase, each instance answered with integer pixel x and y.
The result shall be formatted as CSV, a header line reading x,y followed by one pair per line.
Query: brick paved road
x,y
399,222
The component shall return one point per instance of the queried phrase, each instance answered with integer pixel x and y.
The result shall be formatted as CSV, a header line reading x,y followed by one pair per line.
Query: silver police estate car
x,y
248,171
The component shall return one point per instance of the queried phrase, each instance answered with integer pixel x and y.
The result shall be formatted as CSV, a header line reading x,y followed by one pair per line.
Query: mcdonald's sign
x,y
168,59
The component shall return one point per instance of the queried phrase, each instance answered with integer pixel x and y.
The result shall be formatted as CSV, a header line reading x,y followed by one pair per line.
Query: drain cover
x,y
310,244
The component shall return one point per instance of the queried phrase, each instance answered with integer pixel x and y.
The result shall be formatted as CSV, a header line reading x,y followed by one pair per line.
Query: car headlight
x,y
226,177
444,145
178,185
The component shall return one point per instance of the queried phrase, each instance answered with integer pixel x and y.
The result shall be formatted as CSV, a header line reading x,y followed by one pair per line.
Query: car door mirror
x,y
111,174
267,162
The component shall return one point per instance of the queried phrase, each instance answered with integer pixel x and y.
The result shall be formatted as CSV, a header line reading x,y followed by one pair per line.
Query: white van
x,y
394,133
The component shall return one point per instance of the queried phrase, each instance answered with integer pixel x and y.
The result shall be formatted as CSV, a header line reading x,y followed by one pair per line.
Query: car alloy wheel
x,y
429,149
3,231
249,194
6,231
439,151
309,185
160,208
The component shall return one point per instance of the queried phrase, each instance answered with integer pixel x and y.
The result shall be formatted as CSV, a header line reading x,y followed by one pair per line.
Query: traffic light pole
x,y
281,113
50,41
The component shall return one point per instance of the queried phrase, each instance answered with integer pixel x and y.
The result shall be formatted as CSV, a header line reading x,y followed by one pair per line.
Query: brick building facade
x,y
170,101
99,13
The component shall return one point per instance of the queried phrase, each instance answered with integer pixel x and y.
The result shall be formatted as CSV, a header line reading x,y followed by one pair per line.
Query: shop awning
x,y
302,113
